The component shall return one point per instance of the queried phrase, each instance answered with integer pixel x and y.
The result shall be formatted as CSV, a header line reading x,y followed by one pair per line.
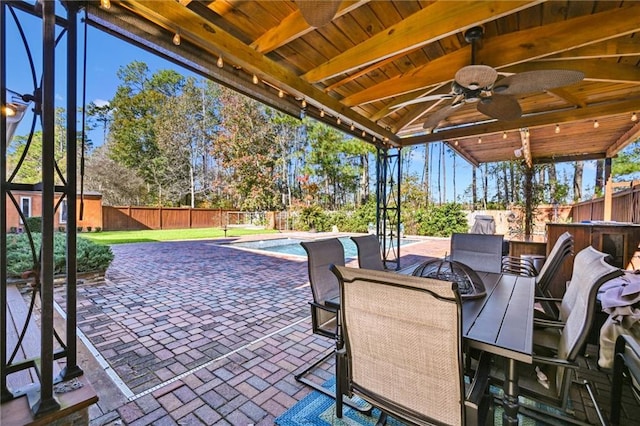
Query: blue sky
x,y
106,54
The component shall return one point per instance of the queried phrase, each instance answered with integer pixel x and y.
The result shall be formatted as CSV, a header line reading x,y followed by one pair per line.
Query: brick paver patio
x,y
196,333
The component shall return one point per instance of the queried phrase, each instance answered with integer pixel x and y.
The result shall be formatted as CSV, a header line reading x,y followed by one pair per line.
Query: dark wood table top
x,y
502,322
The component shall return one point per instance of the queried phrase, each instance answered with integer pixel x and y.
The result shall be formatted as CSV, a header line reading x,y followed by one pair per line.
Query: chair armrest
x,y
555,361
547,299
328,308
517,265
541,322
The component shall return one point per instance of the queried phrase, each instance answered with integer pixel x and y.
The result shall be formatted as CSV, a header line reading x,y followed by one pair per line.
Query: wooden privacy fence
x,y
625,206
130,218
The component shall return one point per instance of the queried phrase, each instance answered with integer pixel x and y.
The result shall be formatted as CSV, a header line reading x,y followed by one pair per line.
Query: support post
x,y
47,402
72,369
608,189
388,173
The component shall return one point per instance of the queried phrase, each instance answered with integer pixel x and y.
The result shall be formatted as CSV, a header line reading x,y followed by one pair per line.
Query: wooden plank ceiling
x,y
354,71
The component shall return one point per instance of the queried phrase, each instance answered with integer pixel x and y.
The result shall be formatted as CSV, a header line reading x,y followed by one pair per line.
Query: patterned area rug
x,y
317,409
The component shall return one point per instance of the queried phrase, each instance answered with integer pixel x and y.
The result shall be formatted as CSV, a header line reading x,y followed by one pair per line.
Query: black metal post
x,y
47,402
6,395
72,369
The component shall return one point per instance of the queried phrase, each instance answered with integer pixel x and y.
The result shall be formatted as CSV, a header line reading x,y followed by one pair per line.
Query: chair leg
x,y
301,377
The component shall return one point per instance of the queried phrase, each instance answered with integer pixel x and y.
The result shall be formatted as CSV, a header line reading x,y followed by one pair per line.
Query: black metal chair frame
x,y
626,362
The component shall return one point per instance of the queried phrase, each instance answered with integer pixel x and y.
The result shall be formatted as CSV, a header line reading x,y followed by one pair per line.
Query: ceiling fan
x,y
477,84
318,13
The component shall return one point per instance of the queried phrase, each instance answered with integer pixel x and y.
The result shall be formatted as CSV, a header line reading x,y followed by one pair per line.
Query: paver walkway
x,y
194,332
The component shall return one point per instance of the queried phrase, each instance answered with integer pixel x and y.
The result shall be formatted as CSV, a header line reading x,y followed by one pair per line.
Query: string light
x,y
352,127
176,38
280,94
634,117
338,121
321,113
479,140
364,134
456,142
304,103
374,138
386,139
255,79
105,4
504,135
596,124
557,128
220,62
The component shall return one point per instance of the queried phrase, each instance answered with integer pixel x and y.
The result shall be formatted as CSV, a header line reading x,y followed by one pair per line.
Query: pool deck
x,y
195,332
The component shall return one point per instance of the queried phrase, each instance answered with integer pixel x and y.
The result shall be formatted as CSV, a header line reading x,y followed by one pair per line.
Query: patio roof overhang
x,y
373,55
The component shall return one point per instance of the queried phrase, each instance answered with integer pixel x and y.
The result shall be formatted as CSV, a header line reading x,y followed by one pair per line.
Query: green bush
x,y
313,217
90,256
34,223
441,221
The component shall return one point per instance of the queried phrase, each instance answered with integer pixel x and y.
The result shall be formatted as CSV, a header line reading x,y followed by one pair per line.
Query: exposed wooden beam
x,y
625,140
605,49
564,95
594,111
566,158
434,22
217,42
511,49
293,27
132,28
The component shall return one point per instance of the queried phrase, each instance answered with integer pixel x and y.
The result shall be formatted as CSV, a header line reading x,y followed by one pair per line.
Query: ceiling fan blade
x,y
500,107
476,76
434,119
422,99
318,13
536,81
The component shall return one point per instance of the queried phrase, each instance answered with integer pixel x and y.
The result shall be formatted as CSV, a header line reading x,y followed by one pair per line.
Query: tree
x,y
246,149
626,165
119,185
136,107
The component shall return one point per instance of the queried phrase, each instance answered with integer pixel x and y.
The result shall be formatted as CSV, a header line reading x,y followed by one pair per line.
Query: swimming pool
x,y
292,246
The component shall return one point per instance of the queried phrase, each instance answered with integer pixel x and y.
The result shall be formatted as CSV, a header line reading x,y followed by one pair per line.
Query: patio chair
x,y
321,255
480,252
563,341
402,349
626,363
369,255
562,248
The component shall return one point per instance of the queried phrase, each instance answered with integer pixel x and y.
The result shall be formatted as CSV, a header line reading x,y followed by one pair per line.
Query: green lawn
x,y
123,237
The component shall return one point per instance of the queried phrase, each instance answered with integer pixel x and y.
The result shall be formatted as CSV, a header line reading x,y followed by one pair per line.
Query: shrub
x,y
98,229
442,221
90,256
89,229
34,223
313,217
79,228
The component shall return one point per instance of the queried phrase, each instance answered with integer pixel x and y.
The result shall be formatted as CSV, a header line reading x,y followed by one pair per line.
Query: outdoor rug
x,y
318,409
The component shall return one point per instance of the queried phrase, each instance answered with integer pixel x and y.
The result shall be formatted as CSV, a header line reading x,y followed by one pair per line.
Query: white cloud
x,y
100,102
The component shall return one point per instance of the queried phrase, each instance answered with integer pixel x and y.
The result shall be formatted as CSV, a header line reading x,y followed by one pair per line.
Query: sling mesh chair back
x,y
567,340
403,349
480,252
321,255
369,255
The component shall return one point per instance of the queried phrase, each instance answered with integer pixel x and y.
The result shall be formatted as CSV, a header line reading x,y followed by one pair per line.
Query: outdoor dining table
x,y
500,323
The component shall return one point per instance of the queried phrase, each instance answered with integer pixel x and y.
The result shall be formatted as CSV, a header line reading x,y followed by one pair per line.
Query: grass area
x,y
124,237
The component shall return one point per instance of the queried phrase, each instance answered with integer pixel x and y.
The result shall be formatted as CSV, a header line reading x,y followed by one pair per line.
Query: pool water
x,y
292,246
